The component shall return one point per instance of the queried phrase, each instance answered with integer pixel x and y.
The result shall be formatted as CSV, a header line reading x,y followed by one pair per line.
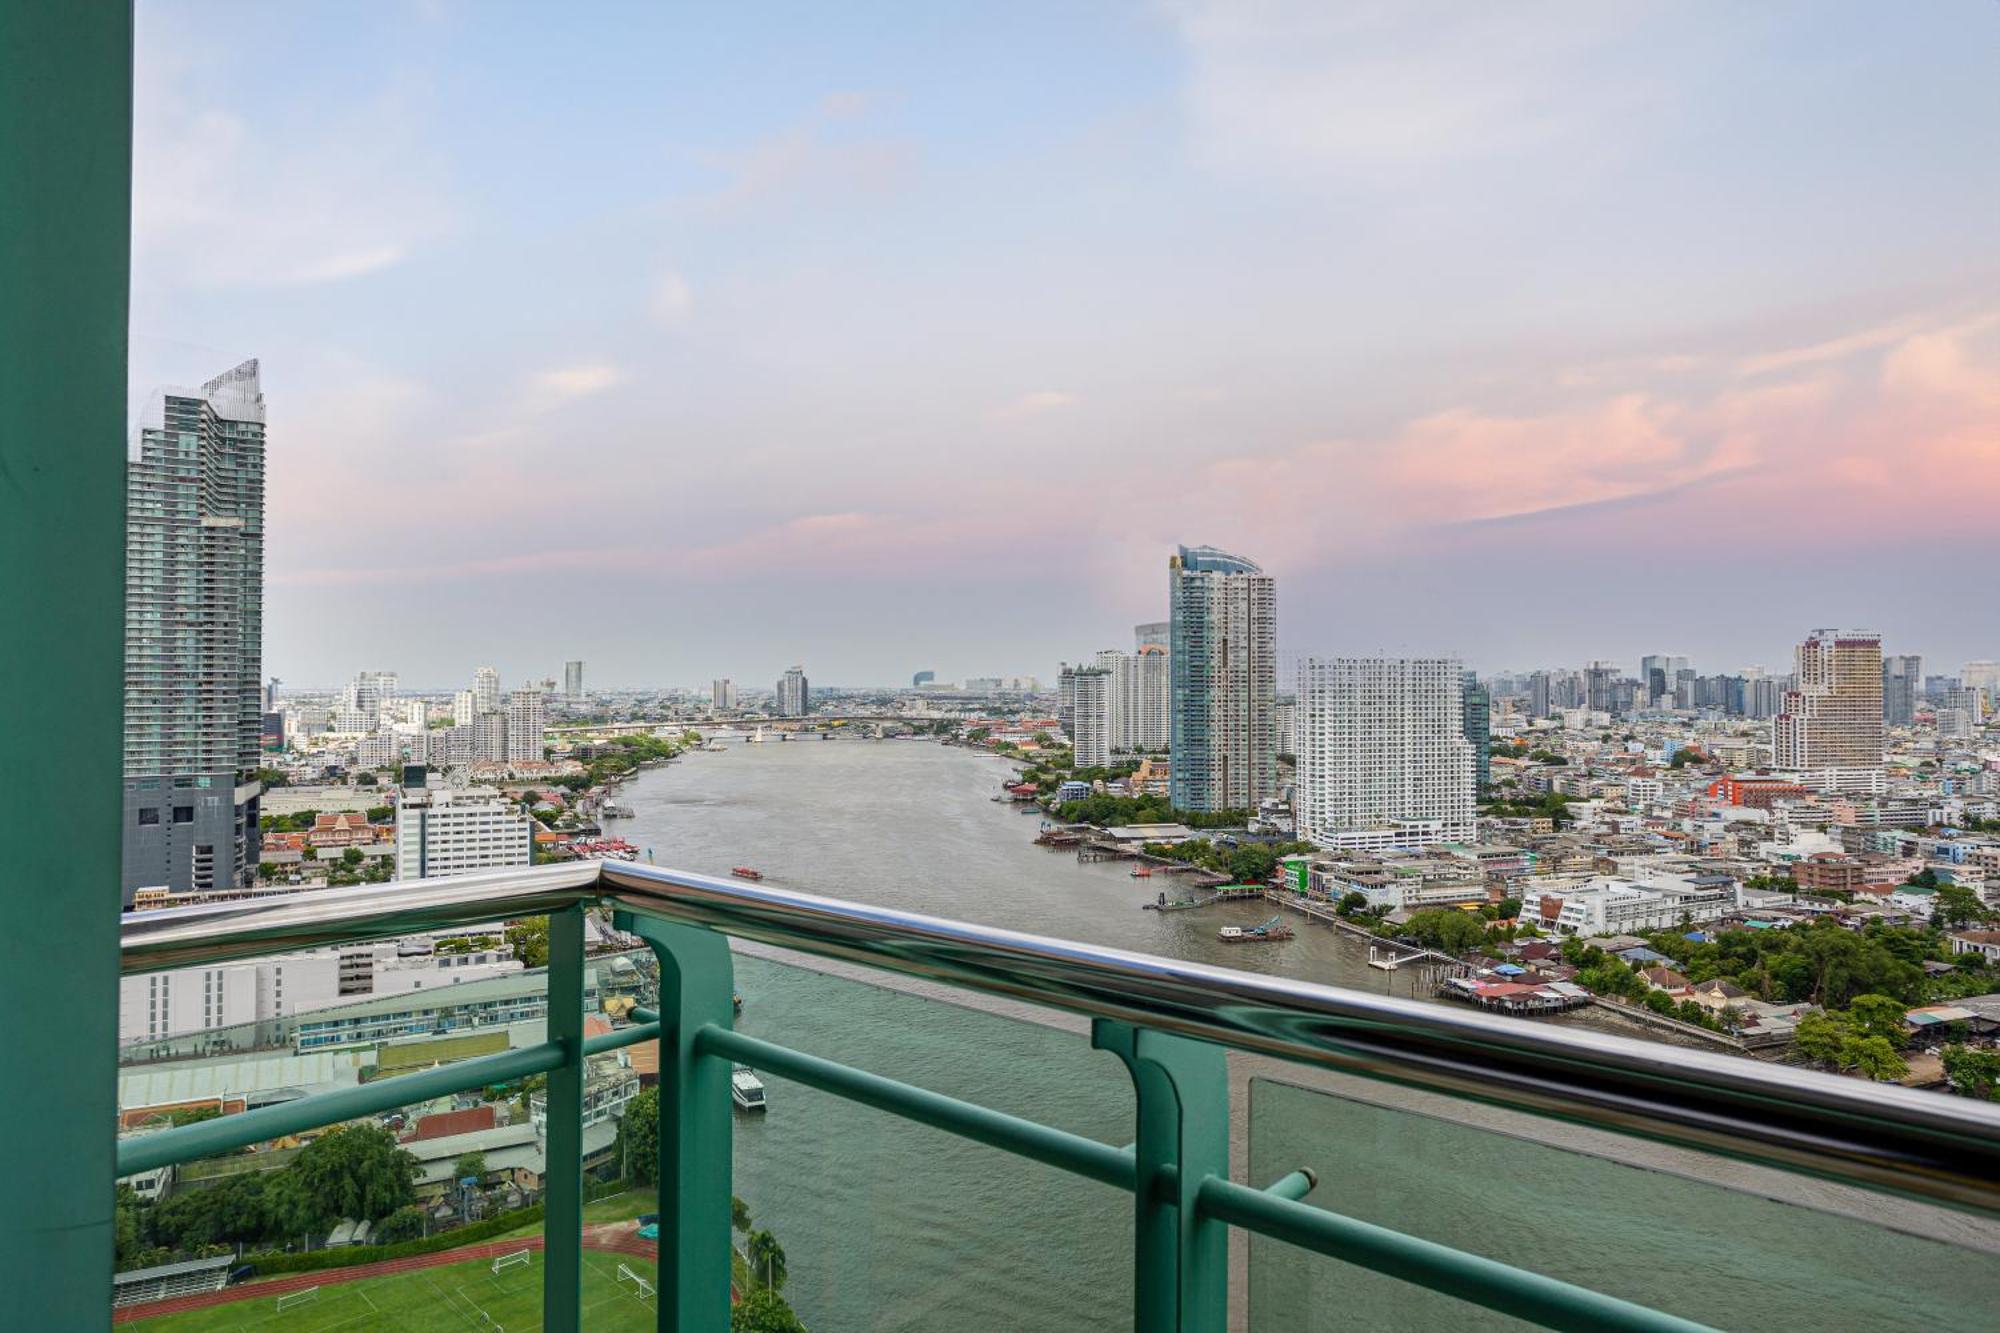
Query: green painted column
x,y
562,1198
1180,1260
65,256
695,1130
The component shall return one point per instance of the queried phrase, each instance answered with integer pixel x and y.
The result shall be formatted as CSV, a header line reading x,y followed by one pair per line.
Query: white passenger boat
x,y
746,1089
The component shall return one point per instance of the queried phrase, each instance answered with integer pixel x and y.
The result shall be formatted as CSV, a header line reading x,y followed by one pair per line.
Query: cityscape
x,y
733,822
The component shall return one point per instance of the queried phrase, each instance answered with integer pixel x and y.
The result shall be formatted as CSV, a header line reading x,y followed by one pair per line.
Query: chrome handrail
x,y
1880,1137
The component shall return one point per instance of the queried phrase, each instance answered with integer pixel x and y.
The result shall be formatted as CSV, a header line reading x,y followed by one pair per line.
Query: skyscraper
x,y
1154,634
485,689
194,613
1902,678
722,695
1599,696
1479,730
1832,716
1090,732
1383,756
526,721
1138,699
573,681
1223,669
794,695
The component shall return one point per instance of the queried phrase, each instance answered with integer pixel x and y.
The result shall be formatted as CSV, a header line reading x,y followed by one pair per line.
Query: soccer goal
x,y
514,1260
643,1288
297,1298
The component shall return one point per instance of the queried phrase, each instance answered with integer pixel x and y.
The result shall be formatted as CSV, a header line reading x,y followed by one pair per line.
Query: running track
x,y
611,1237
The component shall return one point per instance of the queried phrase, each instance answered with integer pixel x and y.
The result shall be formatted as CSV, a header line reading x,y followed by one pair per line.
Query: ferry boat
x,y
745,872
746,1089
617,811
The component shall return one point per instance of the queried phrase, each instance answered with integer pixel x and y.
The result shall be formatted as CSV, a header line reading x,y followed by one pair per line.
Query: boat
x,y
745,872
1142,872
1274,929
746,1089
617,811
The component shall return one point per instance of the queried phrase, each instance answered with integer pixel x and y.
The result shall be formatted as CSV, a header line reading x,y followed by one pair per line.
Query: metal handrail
x,y
1879,1137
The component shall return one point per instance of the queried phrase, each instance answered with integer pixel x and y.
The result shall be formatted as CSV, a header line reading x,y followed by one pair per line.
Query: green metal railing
x,y
1169,1023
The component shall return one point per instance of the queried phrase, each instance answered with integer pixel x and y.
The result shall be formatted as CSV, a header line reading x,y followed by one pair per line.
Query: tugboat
x,y
1142,872
745,872
1274,929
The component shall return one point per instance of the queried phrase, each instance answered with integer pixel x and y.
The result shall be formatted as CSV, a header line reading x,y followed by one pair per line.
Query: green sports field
x,y
468,1296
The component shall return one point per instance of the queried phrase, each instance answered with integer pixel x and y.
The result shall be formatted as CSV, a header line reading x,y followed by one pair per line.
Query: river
x,y
889,1225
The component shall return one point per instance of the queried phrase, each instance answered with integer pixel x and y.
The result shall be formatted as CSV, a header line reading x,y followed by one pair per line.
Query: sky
x,y
702,340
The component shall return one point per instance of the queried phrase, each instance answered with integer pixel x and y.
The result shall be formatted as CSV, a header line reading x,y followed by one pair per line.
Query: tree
x,y
639,1139
380,814
1352,901
1874,1057
365,779
1879,1016
1820,1037
351,857
766,1258
1956,906
739,1215
763,1312
1973,1072
406,1223
1447,929
469,1166
352,1171
530,938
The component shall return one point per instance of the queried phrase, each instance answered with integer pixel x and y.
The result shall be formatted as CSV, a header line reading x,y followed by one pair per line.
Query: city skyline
x,y
1604,283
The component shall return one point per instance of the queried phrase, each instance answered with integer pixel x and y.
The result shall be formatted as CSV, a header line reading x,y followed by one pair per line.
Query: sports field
x,y
468,1296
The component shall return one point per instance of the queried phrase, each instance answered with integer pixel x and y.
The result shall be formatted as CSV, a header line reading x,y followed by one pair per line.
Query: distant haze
x,y
700,342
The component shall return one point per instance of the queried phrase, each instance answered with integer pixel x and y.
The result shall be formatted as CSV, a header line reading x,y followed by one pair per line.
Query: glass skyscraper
x,y
1479,730
194,623
1223,665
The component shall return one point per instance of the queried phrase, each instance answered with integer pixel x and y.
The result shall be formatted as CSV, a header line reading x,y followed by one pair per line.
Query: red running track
x,y
611,1237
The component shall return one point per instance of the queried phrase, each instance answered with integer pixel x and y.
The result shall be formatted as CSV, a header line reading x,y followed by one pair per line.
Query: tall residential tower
x,y
1831,718
1383,758
194,613
1223,672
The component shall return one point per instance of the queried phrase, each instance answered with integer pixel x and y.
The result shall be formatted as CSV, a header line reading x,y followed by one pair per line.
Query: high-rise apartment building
x,y
1478,730
1383,757
527,719
1222,661
457,830
463,710
1599,682
485,689
1090,729
194,613
1902,681
722,695
573,681
1138,699
794,694
1832,716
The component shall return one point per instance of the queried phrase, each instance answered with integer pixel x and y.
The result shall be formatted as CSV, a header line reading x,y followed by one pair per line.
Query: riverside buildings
x,y
1137,699
1090,711
457,830
194,608
1383,760
526,721
1223,672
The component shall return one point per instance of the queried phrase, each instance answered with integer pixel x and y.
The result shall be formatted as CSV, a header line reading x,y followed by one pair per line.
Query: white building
x,y
200,999
1137,699
1832,719
485,689
526,721
1382,752
464,708
722,695
1090,723
573,681
457,830
794,694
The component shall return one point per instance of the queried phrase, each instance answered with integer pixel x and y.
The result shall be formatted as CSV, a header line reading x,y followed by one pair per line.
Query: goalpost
x,y
643,1287
514,1260
297,1298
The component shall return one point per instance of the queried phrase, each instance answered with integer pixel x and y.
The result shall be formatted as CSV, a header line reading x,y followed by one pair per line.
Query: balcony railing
x,y
1169,1023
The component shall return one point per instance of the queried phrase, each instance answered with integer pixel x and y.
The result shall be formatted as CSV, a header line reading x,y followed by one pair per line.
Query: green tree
x,y
639,1139
530,938
470,1165
1352,901
739,1215
1879,1016
1821,1037
1447,929
1956,906
763,1312
380,814
351,857
1874,1057
766,1259
1973,1072
365,779
352,1171
406,1223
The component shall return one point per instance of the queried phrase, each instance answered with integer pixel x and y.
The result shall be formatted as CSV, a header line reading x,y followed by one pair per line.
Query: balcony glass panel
x,y
887,1224
1705,1238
